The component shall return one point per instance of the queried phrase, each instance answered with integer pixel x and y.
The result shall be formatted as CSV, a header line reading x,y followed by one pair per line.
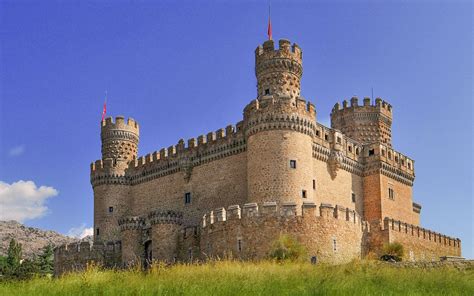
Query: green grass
x,y
263,278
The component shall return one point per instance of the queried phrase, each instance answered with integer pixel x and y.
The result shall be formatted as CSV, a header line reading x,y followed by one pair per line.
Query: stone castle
x,y
342,192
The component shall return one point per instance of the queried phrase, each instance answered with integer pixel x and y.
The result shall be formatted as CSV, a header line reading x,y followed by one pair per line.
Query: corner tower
x,y
367,123
110,185
279,127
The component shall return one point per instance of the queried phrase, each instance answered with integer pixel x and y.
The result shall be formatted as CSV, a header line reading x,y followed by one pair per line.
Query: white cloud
x,y
23,200
17,150
80,232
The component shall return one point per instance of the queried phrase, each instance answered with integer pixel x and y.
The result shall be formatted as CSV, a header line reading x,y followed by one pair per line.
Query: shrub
x,y
392,252
287,248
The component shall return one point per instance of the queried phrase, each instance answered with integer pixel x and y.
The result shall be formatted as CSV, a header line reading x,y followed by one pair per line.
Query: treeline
x,y
13,266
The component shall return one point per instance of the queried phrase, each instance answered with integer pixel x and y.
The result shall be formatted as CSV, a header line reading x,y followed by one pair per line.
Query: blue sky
x,y
184,69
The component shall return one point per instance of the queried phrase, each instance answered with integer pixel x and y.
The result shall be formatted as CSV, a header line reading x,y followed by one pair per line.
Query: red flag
x,y
269,31
104,110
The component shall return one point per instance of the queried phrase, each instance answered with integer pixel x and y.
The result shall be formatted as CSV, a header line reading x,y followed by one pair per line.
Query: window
x,y
334,245
326,137
357,151
317,133
303,194
239,245
339,140
350,148
391,193
383,152
97,231
353,197
187,197
314,184
111,209
267,91
293,164
389,155
371,152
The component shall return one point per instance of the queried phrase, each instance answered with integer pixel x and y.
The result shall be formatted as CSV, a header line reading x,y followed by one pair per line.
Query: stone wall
x,y
333,234
76,256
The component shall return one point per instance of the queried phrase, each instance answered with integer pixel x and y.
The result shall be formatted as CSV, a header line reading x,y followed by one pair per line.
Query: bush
x,y
392,252
287,248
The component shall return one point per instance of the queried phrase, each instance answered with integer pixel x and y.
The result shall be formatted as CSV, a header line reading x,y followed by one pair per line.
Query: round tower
x,y
279,127
368,123
278,71
111,186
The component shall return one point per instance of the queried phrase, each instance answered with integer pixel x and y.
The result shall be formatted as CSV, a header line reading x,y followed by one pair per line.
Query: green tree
x,y
13,255
45,261
393,252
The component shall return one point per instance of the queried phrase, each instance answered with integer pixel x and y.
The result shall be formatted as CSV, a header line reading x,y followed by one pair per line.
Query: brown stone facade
x,y
278,171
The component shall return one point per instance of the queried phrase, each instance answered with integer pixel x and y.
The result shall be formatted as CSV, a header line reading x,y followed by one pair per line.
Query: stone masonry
x,y
341,191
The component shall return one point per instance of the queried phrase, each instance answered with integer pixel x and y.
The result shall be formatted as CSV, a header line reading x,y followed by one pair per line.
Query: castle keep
x,y
341,191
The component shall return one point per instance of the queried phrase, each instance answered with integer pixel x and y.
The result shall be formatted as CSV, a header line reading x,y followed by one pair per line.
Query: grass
x,y
262,278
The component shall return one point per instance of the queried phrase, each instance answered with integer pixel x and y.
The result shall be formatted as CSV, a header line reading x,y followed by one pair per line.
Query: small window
x,y
391,194
187,197
303,194
383,152
350,148
334,245
326,137
267,91
357,151
353,197
389,155
317,133
339,140
239,245
97,231
396,159
314,184
409,166
293,164
111,209
371,152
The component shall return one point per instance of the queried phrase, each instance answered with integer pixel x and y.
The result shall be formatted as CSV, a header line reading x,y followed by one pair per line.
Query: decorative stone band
x,y
280,122
131,223
422,233
165,217
112,135
286,210
389,171
102,179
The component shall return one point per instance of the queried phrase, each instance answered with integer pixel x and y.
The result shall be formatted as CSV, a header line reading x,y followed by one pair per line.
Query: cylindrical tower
x,y
131,236
111,188
367,123
165,227
279,127
278,71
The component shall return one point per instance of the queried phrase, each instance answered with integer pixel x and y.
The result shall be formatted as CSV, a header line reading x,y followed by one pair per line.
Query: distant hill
x,y
32,239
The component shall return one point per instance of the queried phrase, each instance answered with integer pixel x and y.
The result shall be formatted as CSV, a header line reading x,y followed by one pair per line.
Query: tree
x,y
287,248
45,261
13,255
392,252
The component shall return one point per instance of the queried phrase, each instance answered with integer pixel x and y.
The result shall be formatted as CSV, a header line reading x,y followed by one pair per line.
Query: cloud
x,y
16,151
80,232
23,200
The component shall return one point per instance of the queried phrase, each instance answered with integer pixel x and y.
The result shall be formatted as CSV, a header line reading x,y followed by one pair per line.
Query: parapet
x,y
280,211
285,49
120,123
165,217
379,106
131,223
420,232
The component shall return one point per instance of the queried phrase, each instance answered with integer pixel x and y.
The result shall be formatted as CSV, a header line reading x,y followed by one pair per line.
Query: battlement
x,y
119,123
165,217
131,223
378,152
367,106
281,211
87,247
420,232
285,49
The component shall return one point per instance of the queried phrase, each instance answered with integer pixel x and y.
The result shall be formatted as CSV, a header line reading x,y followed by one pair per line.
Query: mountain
x,y
32,239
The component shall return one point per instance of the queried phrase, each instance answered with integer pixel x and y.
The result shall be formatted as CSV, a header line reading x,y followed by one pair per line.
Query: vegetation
x,y
287,248
393,252
14,267
254,278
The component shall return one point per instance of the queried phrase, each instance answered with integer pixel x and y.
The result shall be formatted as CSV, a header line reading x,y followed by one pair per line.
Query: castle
x,y
342,192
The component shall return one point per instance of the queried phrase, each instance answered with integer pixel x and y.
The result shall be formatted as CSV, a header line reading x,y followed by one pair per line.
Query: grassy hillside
x,y
264,278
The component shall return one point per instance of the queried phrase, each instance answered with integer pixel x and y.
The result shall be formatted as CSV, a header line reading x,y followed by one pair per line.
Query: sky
x,y
184,68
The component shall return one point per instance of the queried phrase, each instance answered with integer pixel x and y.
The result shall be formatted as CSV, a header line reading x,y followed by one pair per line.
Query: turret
x,y
279,128
366,123
119,140
278,71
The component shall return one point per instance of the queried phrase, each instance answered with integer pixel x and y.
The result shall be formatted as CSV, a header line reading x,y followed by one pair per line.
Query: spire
x,y
269,30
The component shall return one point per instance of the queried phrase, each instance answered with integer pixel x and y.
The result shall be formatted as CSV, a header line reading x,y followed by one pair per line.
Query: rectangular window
x,y
187,197
314,184
267,91
111,209
326,137
391,193
371,152
317,133
350,148
353,197
97,231
339,140
303,194
293,164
